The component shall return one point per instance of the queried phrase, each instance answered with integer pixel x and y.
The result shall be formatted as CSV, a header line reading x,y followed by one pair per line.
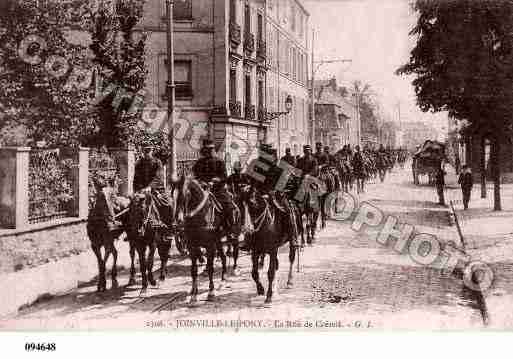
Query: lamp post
x,y
173,175
275,115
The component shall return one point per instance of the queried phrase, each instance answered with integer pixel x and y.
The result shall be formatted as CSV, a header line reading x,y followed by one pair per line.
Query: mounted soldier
x,y
211,171
289,158
320,155
149,179
331,160
237,180
308,163
278,199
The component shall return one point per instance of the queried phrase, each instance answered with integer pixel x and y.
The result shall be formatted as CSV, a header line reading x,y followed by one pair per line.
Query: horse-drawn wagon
x,y
427,160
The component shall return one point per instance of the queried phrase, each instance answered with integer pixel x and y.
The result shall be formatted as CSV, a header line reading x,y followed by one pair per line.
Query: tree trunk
x,y
482,166
495,155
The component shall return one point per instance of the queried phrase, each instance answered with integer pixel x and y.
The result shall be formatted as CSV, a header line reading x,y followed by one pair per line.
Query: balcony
x,y
235,108
249,112
261,50
249,42
235,34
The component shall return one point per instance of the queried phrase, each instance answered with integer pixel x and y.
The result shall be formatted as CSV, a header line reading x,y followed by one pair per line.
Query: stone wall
x,y
43,244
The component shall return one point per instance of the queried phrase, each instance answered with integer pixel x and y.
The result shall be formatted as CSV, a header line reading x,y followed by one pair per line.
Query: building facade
x,y
235,61
287,69
219,50
335,115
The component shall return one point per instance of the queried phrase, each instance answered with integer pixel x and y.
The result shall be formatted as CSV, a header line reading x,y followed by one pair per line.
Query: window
x,y
260,94
292,16
294,113
183,79
301,26
283,119
233,11
247,19
233,85
247,90
260,31
270,98
182,10
294,64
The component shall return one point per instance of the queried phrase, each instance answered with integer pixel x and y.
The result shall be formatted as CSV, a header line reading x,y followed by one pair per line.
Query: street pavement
x,y
347,280
488,236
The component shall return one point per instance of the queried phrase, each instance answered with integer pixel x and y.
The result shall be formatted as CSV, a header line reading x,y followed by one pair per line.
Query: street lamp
x,y
274,115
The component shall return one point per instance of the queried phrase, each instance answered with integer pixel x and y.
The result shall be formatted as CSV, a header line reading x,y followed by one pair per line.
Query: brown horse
x,y
104,227
200,214
146,238
269,234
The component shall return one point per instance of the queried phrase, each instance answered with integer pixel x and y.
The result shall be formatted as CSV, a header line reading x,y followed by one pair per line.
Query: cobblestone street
x,y
346,279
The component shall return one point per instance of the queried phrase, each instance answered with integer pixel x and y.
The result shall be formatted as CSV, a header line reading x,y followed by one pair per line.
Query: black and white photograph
x,y
255,166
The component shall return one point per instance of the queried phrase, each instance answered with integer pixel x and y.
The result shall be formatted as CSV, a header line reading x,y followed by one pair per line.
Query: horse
x,y
310,208
146,236
329,175
200,214
269,232
381,165
103,230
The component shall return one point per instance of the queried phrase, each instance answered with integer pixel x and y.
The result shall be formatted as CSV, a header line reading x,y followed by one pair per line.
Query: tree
x,y
462,64
121,62
367,113
44,88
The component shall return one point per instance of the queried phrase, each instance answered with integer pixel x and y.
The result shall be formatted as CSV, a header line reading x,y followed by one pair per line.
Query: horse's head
x,y
138,211
190,198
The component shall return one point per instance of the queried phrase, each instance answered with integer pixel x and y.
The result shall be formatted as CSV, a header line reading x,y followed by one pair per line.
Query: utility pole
x,y
173,175
312,84
312,92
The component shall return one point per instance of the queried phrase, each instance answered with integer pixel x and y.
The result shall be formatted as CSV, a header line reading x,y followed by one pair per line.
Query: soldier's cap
x,y
148,146
307,147
208,144
326,147
318,144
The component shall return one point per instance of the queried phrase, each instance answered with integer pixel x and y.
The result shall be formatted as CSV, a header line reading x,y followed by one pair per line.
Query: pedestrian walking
x,y
440,184
466,182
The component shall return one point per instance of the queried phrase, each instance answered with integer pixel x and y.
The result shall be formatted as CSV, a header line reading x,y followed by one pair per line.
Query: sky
x,y
374,35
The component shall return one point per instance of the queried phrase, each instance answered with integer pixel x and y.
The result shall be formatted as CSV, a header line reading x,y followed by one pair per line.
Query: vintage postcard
x,y
255,165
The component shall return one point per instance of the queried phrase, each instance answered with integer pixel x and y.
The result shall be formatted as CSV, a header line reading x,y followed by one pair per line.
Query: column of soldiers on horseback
x,y
270,204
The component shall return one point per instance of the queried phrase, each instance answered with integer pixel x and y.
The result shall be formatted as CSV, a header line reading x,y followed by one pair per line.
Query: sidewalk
x,y
489,238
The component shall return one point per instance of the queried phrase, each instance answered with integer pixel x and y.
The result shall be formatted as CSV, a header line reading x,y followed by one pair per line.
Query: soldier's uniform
x,y
331,159
236,181
272,176
208,168
320,156
308,165
149,172
289,158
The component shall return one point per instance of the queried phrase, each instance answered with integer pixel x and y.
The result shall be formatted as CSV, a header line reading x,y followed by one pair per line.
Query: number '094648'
x,y
40,347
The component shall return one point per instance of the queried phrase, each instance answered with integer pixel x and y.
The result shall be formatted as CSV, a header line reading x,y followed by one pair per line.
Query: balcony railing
x,y
249,112
249,42
235,108
235,34
261,50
